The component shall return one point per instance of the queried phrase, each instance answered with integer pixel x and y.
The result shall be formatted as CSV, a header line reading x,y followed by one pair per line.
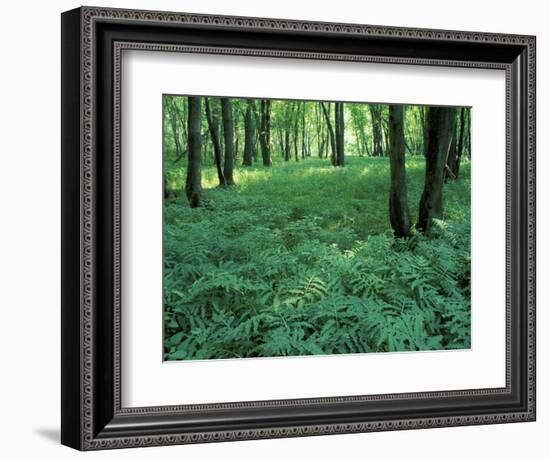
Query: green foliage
x,y
300,260
289,115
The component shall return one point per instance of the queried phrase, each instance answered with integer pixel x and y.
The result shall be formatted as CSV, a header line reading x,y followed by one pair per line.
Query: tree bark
x,y
448,169
212,121
165,189
339,132
319,130
377,134
248,134
281,142
265,126
287,145
237,146
456,152
193,188
399,209
385,136
330,134
296,116
303,132
228,137
425,128
441,123
172,114
468,134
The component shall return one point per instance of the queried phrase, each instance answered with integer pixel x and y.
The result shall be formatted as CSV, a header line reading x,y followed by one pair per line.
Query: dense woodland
x,y
301,227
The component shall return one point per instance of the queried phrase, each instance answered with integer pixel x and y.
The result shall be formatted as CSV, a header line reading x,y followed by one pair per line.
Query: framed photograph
x,y
276,228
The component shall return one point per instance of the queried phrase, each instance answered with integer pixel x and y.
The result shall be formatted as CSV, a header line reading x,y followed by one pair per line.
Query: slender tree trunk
x,y
303,134
268,131
461,140
248,134
228,137
425,128
377,134
165,189
368,150
287,145
319,134
213,127
448,173
467,135
399,209
237,146
295,129
358,140
193,188
330,134
174,125
287,122
358,119
364,144
265,132
255,131
183,123
453,163
386,136
419,131
339,128
441,122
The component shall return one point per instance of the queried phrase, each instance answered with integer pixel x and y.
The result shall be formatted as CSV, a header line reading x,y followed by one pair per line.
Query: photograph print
x,y
300,227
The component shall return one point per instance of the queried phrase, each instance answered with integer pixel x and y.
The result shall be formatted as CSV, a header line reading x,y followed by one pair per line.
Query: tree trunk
x,y
386,136
265,132
281,142
212,121
255,131
330,134
339,127
456,153
451,154
441,123
172,114
303,133
165,189
418,133
296,117
286,149
425,128
377,134
228,137
248,134
193,188
319,131
467,134
237,146
399,209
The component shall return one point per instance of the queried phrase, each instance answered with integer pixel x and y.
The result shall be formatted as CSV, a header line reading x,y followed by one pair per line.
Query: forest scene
x,y
297,227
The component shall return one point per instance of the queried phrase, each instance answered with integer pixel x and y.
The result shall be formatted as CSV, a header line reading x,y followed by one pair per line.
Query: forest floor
x,y
299,259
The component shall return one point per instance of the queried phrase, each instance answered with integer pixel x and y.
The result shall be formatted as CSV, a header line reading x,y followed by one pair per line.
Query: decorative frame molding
x,y
92,414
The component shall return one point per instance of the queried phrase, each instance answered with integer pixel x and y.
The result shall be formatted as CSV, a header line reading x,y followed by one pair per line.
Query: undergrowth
x,y
299,259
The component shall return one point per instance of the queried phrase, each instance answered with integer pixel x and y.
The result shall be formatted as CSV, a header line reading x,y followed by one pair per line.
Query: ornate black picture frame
x,y
92,41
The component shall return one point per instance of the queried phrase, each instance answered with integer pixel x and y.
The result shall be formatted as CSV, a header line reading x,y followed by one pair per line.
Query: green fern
x,y
246,277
